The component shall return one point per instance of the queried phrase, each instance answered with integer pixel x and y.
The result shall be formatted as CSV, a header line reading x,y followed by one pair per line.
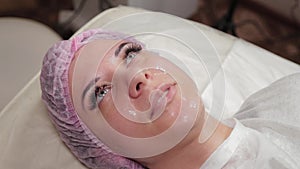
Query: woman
x,y
117,105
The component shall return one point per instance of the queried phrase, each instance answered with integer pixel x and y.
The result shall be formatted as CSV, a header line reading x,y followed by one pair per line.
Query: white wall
x,y
182,8
89,10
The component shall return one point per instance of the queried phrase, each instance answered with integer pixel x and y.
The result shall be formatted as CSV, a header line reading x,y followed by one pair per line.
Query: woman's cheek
x,y
106,108
111,114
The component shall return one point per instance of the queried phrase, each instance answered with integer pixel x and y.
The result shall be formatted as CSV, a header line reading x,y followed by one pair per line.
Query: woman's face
x,y
117,77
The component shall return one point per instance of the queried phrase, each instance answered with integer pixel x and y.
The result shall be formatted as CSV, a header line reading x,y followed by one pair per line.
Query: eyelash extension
x,y
93,94
132,47
92,99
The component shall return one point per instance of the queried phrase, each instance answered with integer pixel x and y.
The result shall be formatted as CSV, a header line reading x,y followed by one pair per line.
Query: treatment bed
x,y
29,140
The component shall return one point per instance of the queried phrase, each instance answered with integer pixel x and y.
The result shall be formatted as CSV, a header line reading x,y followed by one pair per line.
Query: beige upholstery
x,y
23,45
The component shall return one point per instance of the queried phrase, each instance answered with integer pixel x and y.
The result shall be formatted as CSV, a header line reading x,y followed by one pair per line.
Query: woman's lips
x,y
160,97
169,91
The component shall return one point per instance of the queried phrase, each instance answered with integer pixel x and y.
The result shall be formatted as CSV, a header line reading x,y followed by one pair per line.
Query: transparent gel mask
x,y
170,106
167,94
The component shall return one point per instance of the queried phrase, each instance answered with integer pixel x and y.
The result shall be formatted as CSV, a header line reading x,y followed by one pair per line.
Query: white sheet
x,y
247,69
28,139
269,119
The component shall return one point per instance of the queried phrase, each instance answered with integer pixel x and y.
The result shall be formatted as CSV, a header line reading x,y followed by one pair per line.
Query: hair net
x,y
56,95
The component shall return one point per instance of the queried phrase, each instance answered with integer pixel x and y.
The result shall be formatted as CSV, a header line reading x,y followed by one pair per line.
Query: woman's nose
x,y
139,84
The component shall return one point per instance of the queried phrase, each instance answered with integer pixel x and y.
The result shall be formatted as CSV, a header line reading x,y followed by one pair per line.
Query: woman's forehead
x,y
88,58
95,51
98,47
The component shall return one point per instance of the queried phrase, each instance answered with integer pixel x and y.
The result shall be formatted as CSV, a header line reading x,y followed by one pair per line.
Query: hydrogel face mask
x,y
153,93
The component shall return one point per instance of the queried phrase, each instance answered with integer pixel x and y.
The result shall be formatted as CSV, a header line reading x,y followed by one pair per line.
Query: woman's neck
x,y
190,153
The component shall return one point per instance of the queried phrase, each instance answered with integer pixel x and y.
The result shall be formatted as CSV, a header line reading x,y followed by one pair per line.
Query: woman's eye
x,y
100,92
97,95
101,95
129,57
130,52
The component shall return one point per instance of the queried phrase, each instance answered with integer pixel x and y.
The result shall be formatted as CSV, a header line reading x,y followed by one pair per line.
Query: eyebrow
x,y
87,88
118,50
95,80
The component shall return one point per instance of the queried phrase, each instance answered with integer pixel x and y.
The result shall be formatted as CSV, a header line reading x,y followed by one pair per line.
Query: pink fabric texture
x,y
56,95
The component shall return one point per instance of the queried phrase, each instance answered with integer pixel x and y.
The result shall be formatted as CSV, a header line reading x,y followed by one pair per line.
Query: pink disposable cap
x,y
56,95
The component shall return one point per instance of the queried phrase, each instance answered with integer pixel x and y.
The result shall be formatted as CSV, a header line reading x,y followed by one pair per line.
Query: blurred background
x,y
271,24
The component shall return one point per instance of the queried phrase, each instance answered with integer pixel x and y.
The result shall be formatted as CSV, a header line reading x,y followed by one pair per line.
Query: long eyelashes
x,y
130,52
132,47
97,94
92,101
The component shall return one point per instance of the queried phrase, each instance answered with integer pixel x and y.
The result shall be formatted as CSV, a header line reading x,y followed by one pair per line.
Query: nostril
x,y
147,76
138,86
